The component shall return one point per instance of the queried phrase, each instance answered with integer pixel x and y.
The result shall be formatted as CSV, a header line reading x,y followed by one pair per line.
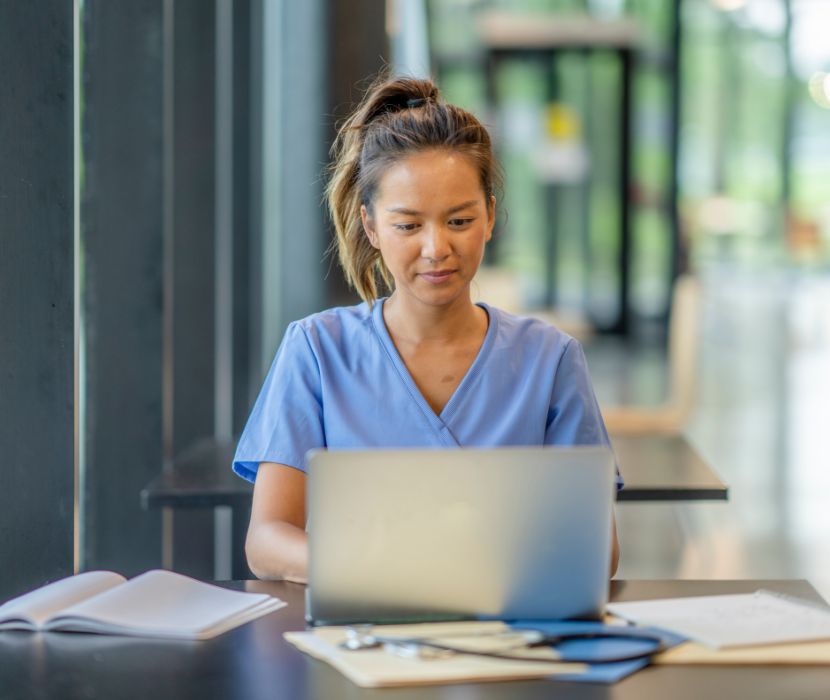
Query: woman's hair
x,y
397,117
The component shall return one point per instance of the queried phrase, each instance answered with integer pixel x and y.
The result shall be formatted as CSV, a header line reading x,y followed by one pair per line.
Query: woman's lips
x,y
437,276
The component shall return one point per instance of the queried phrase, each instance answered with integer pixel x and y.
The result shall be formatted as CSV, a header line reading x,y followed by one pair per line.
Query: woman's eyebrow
x,y
414,212
403,210
463,205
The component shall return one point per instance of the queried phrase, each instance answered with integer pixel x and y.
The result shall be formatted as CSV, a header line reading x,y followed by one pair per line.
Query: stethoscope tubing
x,y
544,641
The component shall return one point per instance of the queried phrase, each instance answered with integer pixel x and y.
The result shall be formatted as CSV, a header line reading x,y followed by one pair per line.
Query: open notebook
x,y
155,604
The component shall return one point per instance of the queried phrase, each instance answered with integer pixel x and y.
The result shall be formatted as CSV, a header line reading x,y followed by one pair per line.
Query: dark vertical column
x,y
36,294
586,108
358,51
678,260
622,325
256,171
193,262
492,60
121,243
193,221
244,104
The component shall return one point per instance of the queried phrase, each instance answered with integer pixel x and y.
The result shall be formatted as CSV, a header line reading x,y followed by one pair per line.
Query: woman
x,y
412,197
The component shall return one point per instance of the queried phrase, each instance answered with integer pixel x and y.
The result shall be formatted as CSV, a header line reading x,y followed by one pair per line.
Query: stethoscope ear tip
x,y
360,637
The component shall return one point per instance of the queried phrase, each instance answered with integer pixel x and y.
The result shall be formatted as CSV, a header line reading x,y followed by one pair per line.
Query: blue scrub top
x,y
337,381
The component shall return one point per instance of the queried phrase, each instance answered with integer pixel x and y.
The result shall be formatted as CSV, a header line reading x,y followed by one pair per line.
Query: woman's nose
x,y
436,244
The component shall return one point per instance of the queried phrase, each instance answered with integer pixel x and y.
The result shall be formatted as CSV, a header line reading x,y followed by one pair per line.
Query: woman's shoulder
x,y
528,332
335,323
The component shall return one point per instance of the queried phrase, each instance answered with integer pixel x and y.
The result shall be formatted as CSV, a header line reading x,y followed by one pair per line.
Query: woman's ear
x,y
368,226
491,216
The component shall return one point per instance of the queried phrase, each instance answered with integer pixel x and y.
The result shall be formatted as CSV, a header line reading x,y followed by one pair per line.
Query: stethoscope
x,y
360,637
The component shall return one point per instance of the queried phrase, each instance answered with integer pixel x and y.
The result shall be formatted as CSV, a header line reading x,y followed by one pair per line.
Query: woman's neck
x,y
417,323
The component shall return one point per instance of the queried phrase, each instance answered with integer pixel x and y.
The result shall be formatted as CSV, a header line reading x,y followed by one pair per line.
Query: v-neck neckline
x,y
443,419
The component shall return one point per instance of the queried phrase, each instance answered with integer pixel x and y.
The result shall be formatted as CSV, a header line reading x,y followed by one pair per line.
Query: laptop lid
x,y
506,533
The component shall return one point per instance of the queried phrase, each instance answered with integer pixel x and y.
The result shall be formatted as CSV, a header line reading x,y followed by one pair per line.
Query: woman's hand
x,y
277,546
615,545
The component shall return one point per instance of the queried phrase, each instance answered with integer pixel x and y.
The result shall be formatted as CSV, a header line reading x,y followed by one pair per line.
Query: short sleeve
x,y
574,416
287,418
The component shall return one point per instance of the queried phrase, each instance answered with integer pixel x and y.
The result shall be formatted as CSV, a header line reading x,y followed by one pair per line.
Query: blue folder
x,y
599,648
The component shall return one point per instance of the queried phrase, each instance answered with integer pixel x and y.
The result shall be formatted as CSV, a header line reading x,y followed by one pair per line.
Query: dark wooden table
x,y
655,468
253,661
665,468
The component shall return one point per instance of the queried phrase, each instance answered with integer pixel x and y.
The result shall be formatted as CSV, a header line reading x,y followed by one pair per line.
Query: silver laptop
x,y
504,533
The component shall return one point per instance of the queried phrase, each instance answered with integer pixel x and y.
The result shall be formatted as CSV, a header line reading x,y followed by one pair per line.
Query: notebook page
x,y
39,605
732,620
164,602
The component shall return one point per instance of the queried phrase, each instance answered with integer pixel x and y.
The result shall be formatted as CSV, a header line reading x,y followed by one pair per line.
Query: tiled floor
x,y
762,420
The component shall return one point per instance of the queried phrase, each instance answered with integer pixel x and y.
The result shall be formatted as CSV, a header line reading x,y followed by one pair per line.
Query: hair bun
x,y
397,94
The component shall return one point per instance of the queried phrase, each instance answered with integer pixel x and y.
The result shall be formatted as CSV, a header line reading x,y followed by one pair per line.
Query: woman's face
x,y
430,220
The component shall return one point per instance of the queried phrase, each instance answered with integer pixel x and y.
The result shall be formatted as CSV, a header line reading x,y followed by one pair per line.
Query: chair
x,y
684,339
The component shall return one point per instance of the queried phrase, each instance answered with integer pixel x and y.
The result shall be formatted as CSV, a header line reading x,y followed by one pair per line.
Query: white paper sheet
x,y
732,620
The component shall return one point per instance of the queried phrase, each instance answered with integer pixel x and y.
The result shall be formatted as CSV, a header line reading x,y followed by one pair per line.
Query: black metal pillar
x,y
122,218
358,49
37,306
678,260
623,322
246,106
190,292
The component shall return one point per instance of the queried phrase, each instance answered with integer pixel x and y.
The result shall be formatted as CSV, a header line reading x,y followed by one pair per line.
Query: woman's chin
x,y
443,296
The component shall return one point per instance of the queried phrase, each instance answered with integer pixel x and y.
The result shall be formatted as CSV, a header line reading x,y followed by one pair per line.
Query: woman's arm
x,y
276,545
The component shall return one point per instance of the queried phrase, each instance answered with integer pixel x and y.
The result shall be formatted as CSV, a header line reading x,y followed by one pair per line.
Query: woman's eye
x,y
405,227
458,223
